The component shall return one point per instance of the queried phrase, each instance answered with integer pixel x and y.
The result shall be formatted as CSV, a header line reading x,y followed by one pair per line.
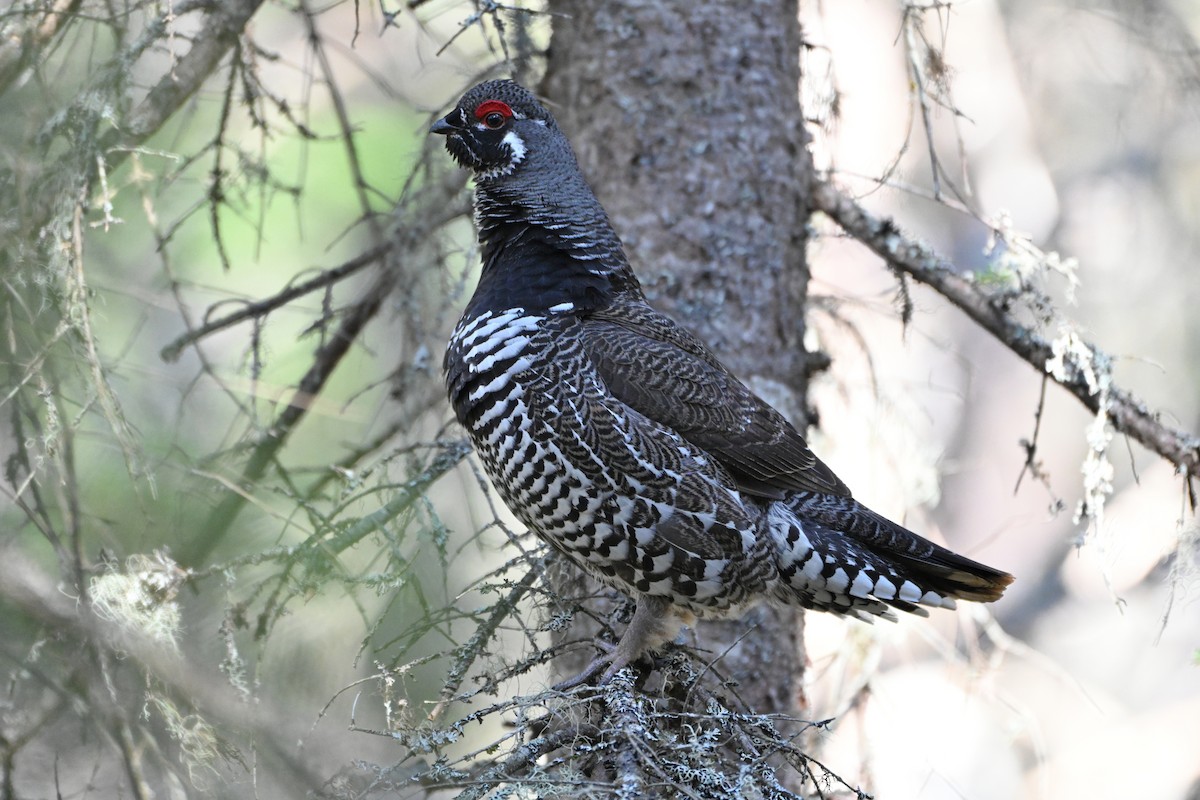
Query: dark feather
x,y
665,373
926,563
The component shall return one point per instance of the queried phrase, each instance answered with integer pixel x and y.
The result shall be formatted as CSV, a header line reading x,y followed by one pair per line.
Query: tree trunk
x,y
686,120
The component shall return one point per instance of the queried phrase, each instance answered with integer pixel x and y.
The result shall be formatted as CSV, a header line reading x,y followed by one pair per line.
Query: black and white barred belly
x,y
626,498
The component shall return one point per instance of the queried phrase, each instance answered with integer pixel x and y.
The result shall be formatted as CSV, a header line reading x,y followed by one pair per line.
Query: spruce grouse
x,y
619,438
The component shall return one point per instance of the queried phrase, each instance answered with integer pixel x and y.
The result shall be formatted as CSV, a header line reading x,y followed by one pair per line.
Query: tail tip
x,y
982,587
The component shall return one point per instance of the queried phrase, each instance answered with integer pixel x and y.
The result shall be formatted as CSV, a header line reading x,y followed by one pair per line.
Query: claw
x,y
652,625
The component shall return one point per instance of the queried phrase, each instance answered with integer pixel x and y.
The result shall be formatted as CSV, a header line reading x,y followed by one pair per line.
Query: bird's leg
x,y
653,624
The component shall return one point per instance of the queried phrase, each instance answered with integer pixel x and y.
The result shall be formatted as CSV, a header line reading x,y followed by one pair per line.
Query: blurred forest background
x,y
240,544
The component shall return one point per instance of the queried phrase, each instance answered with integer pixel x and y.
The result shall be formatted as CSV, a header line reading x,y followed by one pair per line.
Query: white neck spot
x,y
516,146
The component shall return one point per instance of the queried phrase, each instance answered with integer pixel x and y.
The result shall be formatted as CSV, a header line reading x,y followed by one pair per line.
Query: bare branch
x,y
261,308
20,49
174,88
411,230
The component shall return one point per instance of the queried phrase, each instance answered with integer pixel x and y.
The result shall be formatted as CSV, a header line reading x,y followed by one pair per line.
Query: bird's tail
x,y
837,555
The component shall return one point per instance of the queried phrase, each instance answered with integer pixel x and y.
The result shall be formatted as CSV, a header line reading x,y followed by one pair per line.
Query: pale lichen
x,y
1013,253
141,599
198,741
1015,257
1073,359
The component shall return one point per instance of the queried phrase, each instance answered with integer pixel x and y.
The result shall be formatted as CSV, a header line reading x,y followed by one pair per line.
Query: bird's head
x,y
493,126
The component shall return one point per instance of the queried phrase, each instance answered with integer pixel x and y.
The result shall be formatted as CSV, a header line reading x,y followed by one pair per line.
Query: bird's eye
x,y
493,114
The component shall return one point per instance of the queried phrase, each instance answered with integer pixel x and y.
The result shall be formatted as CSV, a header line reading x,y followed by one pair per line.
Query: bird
x,y
618,437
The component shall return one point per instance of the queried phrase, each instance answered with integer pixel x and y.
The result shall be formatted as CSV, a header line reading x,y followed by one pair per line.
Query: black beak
x,y
443,128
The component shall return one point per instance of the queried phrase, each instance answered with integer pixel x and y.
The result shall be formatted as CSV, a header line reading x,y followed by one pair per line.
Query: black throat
x,y
537,264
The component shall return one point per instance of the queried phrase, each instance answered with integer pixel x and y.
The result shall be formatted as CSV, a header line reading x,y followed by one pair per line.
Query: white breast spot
x,y
500,328
485,325
499,382
511,349
467,328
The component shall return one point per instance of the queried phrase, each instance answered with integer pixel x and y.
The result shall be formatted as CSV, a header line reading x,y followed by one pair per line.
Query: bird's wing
x,y
654,366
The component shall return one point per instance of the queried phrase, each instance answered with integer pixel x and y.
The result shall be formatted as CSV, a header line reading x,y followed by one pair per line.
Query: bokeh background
x,y
1079,123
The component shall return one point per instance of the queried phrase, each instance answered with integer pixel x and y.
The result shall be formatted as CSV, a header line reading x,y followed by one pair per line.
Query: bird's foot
x,y
653,624
611,661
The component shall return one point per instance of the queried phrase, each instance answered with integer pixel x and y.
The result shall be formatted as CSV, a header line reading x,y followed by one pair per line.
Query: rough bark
x,y
686,120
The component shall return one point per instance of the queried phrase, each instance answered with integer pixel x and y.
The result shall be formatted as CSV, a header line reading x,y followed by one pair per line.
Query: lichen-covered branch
x,y
26,588
681,729
990,309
